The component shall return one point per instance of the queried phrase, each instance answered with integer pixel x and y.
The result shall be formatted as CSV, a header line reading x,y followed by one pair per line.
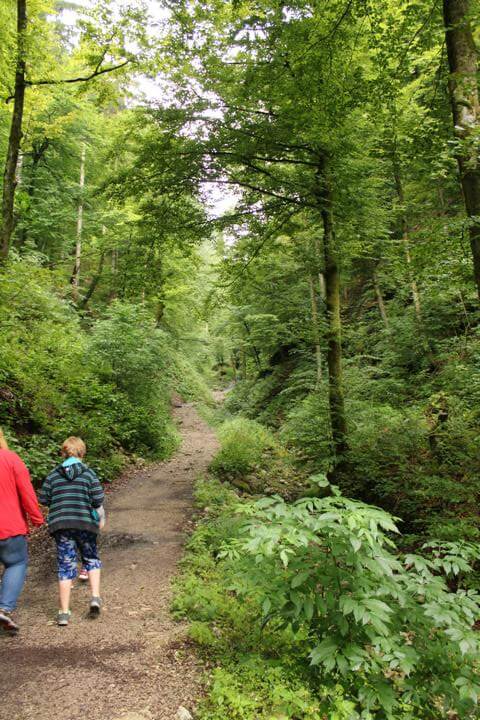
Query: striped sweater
x,y
72,493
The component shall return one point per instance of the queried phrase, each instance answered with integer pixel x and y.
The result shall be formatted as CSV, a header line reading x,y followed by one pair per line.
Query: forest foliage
x,y
283,198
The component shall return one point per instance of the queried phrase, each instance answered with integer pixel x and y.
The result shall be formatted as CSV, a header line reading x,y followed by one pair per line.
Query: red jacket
x,y
17,497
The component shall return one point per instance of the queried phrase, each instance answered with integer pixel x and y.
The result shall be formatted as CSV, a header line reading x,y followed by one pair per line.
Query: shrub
x,y
243,443
307,430
110,383
388,630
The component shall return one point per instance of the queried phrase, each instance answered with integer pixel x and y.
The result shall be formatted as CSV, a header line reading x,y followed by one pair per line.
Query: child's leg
x,y
87,544
64,590
67,566
94,580
83,574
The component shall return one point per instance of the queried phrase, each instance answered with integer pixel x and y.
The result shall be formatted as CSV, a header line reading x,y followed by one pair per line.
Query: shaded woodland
x,y
281,199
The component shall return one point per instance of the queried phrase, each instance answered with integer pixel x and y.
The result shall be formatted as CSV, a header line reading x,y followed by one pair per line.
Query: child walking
x,y
73,494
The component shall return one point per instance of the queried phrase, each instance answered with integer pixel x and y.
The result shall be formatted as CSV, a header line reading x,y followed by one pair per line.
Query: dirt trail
x,y
131,663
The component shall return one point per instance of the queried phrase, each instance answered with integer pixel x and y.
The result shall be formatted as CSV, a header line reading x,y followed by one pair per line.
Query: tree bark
x,y
256,354
112,295
38,152
15,137
380,302
244,363
75,279
94,283
332,289
315,330
405,232
464,98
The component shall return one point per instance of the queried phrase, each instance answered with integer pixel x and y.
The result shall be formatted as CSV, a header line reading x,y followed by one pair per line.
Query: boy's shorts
x,y
71,542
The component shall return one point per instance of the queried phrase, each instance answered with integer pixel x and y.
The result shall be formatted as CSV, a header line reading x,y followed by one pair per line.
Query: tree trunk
x,y
405,231
113,272
321,282
332,299
315,330
38,152
256,354
94,283
244,363
75,279
381,305
15,137
321,275
159,313
464,98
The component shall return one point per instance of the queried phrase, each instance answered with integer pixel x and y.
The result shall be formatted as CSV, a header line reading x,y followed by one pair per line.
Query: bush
x,y
110,383
307,430
242,445
306,611
388,630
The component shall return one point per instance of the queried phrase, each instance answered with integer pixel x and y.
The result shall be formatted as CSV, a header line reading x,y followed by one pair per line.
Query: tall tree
x,y
106,39
75,280
332,296
463,87
15,137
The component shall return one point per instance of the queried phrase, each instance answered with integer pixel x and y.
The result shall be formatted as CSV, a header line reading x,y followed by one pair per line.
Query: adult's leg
x,y
14,557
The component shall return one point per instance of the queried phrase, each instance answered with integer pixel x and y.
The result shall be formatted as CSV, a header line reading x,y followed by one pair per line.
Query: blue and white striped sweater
x,y
72,492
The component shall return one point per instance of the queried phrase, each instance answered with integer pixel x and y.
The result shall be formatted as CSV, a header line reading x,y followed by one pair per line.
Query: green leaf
x,y
323,650
299,579
308,608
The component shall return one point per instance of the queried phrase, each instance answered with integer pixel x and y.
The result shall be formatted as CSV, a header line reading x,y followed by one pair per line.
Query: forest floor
x,y
133,663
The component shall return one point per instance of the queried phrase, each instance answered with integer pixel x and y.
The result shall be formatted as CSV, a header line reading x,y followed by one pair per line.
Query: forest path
x,y
131,663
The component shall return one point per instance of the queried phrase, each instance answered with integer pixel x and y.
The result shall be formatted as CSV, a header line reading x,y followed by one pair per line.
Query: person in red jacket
x,y
18,502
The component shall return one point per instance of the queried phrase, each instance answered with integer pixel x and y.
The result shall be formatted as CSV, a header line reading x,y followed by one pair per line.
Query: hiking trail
x,y
132,663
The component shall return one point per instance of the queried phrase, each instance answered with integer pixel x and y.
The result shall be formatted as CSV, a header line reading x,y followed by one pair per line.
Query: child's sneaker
x,y
7,623
83,575
95,607
63,618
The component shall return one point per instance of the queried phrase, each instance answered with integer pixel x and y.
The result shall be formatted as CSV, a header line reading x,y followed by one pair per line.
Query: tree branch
x,y
93,74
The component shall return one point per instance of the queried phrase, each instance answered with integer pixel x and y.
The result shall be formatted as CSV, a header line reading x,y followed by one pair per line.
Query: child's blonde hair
x,y
3,441
74,447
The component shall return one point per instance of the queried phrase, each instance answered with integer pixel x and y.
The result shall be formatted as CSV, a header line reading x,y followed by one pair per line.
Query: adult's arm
x,y
26,493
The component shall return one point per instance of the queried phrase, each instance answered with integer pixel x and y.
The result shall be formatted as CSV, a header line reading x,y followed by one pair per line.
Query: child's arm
x,y
96,491
101,517
45,495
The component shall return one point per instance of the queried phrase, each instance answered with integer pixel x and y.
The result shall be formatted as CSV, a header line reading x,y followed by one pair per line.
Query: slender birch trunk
x,y
75,279
405,231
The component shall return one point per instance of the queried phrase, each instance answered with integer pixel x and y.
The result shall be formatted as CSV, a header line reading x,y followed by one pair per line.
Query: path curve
x,y
132,663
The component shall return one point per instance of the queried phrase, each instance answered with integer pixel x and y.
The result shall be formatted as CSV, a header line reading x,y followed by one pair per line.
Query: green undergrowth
x,y
108,379
253,459
307,611
401,455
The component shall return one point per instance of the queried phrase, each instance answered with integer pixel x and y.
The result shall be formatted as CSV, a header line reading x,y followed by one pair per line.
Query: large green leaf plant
x,y
387,627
